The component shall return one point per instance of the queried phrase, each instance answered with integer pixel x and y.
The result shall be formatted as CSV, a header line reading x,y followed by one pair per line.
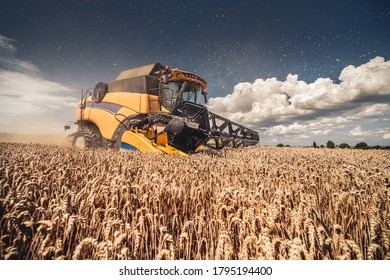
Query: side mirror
x,y
66,127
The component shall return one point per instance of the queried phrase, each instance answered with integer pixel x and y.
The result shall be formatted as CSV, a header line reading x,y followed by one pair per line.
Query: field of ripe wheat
x,y
242,204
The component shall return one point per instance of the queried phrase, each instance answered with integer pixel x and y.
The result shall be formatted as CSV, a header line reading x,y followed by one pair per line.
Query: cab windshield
x,y
173,93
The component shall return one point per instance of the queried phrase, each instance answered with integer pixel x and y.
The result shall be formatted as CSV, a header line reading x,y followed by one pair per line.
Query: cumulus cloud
x,y
315,127
30,103
279,100
293,110
340,126
372,110
368,79
294,128
357,131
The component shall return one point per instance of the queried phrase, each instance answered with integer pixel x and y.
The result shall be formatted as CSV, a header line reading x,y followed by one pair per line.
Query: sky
x,y
296,71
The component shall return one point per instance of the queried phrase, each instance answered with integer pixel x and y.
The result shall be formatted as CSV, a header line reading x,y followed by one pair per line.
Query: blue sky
x,y
297,71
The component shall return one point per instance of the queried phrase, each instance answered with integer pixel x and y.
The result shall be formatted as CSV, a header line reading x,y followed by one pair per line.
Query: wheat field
x,y
240,204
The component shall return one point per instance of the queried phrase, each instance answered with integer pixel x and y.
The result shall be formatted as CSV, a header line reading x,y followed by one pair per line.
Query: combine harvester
x,y
155,109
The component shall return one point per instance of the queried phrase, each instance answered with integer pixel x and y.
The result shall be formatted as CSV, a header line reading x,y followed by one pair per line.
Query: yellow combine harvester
x,y
154,109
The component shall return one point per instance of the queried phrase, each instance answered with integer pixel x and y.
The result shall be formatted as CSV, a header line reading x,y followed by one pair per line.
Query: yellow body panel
x,y
117,104
138,141
162,139
105,121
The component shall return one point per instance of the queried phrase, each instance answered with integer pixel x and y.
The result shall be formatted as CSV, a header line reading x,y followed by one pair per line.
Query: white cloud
x,y
30,103
386,136
372,110
324,122
368,79
316,127
340,128
357,131
321,131
294,128
303,136
323,109
25,94
280,100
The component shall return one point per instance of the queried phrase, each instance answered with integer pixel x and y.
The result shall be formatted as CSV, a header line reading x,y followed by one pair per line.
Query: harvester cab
x,y
155,109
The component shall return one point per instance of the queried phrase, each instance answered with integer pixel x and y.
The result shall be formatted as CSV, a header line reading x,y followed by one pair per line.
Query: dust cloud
x,y
57,140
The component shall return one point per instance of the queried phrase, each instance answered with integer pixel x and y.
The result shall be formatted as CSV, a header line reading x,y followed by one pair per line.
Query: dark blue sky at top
x,y
79,43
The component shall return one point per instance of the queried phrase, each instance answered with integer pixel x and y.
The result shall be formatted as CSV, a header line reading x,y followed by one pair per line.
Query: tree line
x,y
331,145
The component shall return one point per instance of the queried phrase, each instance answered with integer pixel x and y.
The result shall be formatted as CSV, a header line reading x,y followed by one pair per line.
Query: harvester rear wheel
x,y
86,138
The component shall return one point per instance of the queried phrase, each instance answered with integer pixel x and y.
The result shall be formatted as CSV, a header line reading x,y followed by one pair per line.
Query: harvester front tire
x,y
79,140
85,139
